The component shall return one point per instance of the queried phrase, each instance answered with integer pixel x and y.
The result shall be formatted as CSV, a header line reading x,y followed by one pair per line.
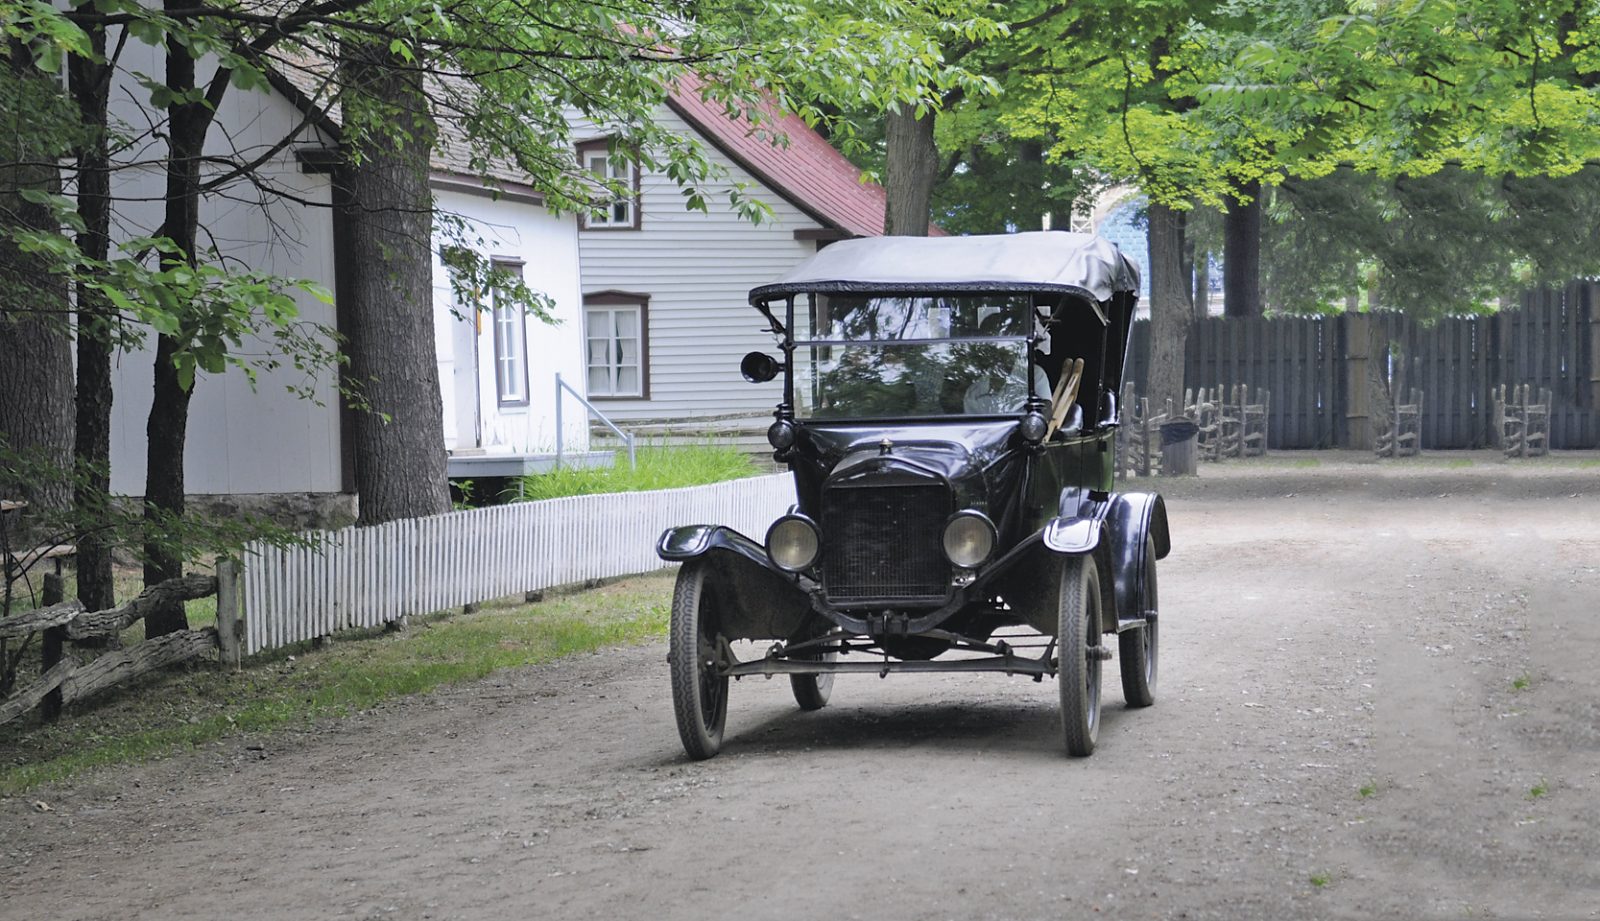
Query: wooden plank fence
x,y
1550,341
1297,360
365,577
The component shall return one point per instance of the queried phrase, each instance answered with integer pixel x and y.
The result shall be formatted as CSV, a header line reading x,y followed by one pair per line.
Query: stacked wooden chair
x,y
1403,437
1522,421
1253,416
1233,422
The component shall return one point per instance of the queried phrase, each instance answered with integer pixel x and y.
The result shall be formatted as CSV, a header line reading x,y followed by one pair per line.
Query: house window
x,y
622,212
617,347
510,343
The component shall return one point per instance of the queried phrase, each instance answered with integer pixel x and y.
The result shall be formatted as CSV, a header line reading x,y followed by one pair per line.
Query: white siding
x,y
698,269
240,439
548,248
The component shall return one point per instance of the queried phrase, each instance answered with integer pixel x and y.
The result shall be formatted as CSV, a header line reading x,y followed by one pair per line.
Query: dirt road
x,y
1377,701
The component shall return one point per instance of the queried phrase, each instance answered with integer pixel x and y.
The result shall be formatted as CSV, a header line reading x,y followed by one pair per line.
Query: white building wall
x,y
241,438
548,248
698,269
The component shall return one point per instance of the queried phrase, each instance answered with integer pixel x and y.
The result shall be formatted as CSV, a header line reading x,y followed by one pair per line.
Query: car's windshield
x,y
874,357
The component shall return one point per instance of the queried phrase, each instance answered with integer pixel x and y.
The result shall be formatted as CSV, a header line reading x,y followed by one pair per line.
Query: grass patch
x,y
1542,788
184,708
660,467
1320,880
1367,790
1458,463
1521,683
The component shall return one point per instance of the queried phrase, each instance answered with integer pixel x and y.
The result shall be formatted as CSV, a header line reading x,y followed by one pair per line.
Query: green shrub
x,y
660,467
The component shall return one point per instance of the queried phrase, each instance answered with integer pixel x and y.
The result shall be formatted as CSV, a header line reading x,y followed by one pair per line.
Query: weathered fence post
x,y
1357,401
51,650
228,613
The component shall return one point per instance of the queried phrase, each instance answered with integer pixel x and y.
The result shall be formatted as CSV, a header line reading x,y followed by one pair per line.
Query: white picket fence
x,y
365,577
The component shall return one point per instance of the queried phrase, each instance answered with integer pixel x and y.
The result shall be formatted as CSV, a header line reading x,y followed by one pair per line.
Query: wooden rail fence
x,y
64,679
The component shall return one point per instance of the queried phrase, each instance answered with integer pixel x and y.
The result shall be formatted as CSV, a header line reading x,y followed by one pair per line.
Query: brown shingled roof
x,y
808,172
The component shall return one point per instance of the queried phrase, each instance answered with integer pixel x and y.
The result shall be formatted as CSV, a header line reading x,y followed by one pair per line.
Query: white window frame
x,y
599,320
510,343
620,213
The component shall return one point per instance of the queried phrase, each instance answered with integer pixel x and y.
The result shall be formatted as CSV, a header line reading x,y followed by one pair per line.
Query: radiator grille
x,y
884,542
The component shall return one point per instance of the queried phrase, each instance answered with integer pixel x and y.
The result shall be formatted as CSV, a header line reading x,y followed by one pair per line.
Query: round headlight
x,y
969,538
781,435
1034,426
793,543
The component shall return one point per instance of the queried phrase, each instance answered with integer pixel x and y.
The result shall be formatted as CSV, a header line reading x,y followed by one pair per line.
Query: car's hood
x,y
973,457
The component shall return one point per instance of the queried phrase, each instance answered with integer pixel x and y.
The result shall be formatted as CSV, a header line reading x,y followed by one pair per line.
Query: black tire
x,y
1077,638
811,692
1138,651
699,696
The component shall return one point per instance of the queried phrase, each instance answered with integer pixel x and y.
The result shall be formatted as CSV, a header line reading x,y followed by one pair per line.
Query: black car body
x,y
948,414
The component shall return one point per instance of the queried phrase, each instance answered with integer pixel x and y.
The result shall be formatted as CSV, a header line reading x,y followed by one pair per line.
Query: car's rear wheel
x,y
1137,649
811,692
699,695
1078,648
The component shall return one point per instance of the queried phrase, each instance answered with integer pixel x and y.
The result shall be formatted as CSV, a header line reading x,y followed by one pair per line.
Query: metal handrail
x,y
633,460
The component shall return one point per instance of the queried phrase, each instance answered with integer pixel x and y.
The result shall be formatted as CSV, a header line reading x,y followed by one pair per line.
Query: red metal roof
x,y
809,172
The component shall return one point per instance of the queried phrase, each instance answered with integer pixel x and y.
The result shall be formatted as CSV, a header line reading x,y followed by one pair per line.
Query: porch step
x,y
463,465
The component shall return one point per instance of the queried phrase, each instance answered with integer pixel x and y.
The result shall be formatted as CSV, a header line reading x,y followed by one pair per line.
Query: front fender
x,y
1079,521
751,599
684,543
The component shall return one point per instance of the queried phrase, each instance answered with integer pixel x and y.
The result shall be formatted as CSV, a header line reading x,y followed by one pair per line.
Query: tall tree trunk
x,y
35,345
909,172
1202,284
384,227
167,428
90,85
1241,253
1380,392
1170,313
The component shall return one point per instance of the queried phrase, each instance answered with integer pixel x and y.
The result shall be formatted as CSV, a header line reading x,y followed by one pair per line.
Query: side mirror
x,y
759,367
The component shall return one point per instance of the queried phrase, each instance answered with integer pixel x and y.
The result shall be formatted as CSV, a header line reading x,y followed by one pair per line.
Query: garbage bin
x,y
1180,448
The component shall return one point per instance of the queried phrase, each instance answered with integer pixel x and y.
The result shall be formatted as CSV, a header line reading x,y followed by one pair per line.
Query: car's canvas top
x,y
1075,263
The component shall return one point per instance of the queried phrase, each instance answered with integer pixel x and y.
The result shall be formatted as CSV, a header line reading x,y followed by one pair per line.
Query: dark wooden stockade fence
x,y
1316,369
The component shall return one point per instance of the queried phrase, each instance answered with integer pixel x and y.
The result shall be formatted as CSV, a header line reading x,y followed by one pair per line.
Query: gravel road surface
x,y
1379,699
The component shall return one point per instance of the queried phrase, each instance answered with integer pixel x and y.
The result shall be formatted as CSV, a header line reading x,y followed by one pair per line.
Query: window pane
x,y
628,352
599,352
627,380
621,212
598,382
628,323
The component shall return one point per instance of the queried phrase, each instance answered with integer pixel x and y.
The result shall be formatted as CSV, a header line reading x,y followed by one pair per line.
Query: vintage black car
x,y
948,412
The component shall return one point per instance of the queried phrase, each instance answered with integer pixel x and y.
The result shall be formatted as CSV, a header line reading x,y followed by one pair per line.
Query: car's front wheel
x,y
1079,653
699,694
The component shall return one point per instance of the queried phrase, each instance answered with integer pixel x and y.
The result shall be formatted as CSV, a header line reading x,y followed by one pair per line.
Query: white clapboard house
x,y
665,313
262,446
